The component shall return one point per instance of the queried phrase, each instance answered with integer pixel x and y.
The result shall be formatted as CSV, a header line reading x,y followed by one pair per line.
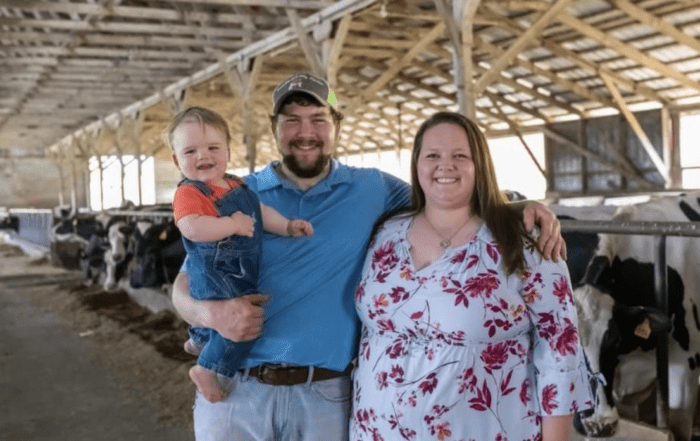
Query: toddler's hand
x,y
299,227
245,225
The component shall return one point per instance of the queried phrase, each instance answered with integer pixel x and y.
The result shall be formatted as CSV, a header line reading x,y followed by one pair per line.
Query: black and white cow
x,y
618,321
148,251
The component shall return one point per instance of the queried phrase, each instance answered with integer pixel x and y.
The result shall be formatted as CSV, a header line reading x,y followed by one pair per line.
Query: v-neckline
x,y
445,251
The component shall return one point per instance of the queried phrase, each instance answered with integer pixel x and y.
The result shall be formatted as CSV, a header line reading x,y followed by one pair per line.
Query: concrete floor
x,y
52,390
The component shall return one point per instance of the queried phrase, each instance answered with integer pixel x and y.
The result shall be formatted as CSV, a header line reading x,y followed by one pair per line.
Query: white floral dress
x,y
459,351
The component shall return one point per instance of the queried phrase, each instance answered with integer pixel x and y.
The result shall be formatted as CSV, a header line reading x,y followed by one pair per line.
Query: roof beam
x,y
525,40
628,51
638,130
658,24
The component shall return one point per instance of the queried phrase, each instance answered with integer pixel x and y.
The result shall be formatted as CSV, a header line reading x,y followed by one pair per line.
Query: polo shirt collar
x,y
268,178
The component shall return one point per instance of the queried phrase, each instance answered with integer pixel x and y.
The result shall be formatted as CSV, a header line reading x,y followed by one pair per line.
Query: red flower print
x,y
396,349
483,284
562,291
396,373
494,356
482,401
382,380
468,381
428,385
383,260
380,301
549,395
376,436
567,341
493,251
530,294
385,325
398,294
363,417
459,257
407,433
459,291
443,431
525,392
473,260
505,385
360,292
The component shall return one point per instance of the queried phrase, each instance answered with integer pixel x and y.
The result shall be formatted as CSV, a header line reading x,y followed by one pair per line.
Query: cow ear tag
x,y
643,330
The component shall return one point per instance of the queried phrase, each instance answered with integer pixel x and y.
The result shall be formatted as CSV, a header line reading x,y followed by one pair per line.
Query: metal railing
x,y
34,225
660,230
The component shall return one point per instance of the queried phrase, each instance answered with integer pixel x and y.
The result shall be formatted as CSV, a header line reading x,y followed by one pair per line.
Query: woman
x,y
468,333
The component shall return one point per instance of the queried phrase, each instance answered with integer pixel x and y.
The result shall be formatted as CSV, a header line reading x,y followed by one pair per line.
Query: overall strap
x,y
204,189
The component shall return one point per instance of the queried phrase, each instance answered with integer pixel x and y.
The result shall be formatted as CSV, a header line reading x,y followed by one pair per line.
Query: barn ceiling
x,y
81,77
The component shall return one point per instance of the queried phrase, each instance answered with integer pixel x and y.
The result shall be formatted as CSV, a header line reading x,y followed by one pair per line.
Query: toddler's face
x,y
201,152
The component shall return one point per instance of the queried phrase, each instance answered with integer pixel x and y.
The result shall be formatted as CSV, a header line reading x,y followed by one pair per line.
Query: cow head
x,y
608,330
117,235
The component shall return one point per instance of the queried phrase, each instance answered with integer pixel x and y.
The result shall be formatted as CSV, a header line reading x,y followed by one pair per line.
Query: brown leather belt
x,y
290,375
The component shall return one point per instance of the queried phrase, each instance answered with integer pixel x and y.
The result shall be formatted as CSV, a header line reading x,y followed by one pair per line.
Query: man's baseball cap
x,y
304,83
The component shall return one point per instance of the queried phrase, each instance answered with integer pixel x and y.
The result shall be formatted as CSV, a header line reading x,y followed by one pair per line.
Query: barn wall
x,y
35,183
166,177
570,172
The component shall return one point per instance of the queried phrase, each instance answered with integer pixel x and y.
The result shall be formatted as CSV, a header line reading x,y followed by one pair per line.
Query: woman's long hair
x,y
488,202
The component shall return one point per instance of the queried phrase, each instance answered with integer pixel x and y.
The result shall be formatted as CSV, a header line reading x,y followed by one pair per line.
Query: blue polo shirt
x,y
310,318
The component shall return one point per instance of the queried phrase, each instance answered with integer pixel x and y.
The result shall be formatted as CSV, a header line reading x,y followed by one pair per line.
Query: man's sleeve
x,y
398,193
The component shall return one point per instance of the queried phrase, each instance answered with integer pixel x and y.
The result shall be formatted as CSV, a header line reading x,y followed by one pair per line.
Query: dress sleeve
x,y
561,373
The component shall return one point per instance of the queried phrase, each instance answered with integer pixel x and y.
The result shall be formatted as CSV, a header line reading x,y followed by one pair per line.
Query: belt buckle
x,y
268,374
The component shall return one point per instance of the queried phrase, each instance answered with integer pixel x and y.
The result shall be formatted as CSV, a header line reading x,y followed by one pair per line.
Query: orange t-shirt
x,y
189,200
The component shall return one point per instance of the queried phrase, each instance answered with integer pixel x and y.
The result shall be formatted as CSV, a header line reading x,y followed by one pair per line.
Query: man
x,y
295,384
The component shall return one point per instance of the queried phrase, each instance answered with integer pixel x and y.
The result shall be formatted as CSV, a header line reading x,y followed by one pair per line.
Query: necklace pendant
x,y
445,243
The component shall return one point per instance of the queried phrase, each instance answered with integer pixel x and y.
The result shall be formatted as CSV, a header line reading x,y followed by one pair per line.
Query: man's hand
x,y
550,243
239,319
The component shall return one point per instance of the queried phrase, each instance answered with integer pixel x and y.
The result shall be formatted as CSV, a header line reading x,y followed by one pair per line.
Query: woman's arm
x,y
238,319
556,428
201,228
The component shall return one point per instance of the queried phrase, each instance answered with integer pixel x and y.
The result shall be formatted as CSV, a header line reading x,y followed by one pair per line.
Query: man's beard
x,y
309,171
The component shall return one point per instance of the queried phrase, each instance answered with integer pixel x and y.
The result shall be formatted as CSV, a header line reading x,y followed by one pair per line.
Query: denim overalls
x,y
223,270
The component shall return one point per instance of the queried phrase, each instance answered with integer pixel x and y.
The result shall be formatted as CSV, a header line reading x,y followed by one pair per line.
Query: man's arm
x,y
550,243
238,319
202,228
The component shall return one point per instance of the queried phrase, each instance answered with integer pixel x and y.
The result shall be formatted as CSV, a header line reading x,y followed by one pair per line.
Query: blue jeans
x,y
254,411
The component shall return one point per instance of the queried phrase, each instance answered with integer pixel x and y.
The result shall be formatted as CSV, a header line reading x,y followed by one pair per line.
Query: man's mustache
x,y
313,143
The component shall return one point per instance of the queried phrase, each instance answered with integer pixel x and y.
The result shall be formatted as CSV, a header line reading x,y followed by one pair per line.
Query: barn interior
x,y
87,87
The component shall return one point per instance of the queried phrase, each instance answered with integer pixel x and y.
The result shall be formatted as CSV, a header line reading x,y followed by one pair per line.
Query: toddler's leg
x,y
207,384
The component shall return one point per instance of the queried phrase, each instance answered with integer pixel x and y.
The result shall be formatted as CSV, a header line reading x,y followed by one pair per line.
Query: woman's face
x,y
445,167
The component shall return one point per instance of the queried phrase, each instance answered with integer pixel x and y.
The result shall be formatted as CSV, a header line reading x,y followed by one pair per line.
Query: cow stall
x,y
651,322
138,250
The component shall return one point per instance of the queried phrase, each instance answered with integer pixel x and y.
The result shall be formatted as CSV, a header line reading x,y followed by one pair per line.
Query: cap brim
x,y
287,94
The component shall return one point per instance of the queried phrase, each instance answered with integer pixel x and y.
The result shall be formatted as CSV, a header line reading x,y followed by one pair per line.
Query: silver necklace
x,y
446,242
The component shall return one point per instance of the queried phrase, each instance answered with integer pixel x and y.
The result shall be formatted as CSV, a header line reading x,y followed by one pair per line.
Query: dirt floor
x,y
143,348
